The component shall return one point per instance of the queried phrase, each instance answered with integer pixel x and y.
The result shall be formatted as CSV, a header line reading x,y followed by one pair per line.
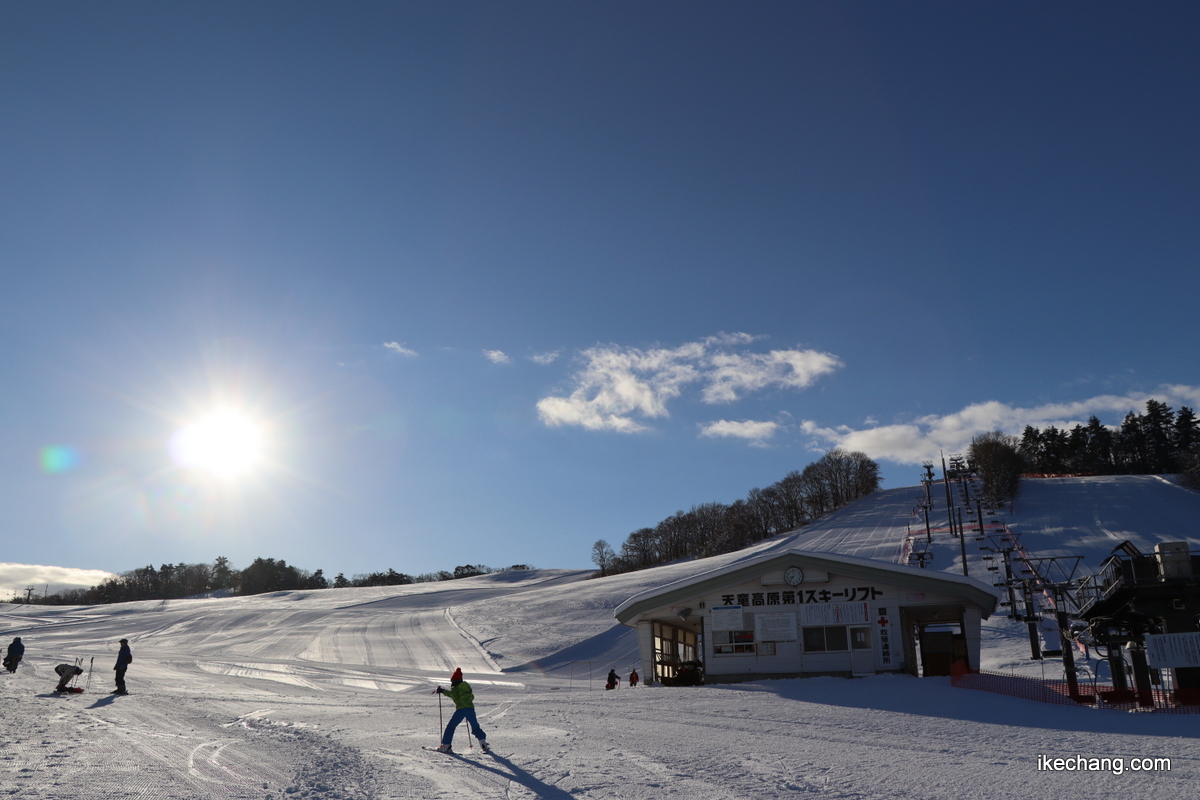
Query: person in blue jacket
x,y
124,657
464,708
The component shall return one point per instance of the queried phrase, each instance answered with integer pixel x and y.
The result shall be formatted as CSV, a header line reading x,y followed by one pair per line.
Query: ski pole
x,y
91,664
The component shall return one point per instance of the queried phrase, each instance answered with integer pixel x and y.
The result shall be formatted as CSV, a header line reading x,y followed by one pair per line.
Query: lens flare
x,y
57,458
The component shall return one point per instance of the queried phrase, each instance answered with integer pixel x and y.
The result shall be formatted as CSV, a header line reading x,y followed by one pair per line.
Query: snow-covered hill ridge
x,y
325,694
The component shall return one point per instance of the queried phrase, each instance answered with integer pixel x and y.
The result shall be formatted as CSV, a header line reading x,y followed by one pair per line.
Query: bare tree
x,y
998,459
602,556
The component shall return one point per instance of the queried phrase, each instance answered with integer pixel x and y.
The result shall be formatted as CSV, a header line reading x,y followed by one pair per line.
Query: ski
x,y
460,754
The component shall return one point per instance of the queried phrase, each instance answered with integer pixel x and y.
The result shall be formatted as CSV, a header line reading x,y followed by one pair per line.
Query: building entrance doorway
x,y
862,651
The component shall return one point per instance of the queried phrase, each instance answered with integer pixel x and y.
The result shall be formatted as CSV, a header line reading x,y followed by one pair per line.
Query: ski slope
x,y
326,694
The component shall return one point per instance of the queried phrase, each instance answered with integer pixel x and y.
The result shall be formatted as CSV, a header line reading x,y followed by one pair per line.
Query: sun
x,y
226,444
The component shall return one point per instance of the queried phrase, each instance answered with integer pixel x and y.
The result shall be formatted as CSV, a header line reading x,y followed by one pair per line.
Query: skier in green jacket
x,y
464,708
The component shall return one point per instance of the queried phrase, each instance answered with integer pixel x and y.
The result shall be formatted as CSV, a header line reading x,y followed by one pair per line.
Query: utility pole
x,y
949,499
1031,620
1066,641
962,541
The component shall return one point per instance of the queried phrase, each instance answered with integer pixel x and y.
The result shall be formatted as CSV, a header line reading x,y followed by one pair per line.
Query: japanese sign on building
x,y
726,618
885,638
1173,649
833,614
775,627
802,596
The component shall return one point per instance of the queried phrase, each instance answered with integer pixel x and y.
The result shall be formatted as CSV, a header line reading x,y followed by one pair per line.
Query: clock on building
x,y
793,576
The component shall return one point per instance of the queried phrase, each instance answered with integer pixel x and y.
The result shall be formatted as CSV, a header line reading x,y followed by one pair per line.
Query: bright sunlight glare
x,y
226,444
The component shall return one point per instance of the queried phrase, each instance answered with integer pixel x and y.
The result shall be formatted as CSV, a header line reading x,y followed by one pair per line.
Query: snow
x,y
327,694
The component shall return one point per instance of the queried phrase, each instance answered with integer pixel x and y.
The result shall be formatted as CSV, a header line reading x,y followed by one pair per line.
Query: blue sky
x,y
495,280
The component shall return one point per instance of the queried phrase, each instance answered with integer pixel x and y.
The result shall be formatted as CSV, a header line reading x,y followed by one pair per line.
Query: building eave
x,y
712,581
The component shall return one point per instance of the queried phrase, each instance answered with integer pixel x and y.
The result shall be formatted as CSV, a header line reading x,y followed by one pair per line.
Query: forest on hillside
x,y
1158,442
833,481
173,581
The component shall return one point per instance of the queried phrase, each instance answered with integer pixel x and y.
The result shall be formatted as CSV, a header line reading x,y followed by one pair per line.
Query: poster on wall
x,y
726,618
775,627
1173,649
833,614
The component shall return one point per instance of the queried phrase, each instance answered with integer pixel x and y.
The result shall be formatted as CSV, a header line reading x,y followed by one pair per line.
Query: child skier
x,y
464,708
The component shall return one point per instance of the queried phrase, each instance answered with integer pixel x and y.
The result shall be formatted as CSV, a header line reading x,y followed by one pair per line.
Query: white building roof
x,y
742,570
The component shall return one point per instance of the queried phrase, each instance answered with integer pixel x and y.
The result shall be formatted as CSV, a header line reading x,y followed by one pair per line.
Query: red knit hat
x,y
457,676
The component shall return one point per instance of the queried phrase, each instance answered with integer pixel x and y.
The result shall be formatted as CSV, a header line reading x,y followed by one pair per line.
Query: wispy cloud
x,y
399,348
735,374
755,432
545,358
16,578
618,387
922,438
496,356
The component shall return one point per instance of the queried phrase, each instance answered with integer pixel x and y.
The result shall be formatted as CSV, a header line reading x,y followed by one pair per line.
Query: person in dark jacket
x,y
124,657
13,657
633,678
613,680
464,708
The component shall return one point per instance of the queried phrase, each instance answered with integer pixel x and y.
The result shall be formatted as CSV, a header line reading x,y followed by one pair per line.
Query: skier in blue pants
x,y
464,708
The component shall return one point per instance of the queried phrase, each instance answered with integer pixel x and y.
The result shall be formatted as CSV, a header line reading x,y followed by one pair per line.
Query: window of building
x,y
673,647
831,638
732,642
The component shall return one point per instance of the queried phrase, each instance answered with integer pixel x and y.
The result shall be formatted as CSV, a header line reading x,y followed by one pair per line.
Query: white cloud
x,y
617,387
615,384
398,347
545,358
496,356
921,439
734,374
753,431
16,578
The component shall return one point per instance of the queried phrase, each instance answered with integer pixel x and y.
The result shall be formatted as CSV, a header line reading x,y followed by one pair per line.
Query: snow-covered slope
x,y
326,694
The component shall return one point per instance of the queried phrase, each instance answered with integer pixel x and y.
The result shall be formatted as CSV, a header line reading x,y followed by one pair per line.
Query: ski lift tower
x,y
1149,605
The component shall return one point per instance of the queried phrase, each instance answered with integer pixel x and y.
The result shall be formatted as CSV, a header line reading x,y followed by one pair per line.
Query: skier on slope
x,y
13,657
613,680
464,708
65,673
124,657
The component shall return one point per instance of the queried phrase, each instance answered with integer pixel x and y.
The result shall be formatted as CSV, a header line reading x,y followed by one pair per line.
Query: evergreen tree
x,y
1186,435
1130,450
1030,449
1098,456
1158,425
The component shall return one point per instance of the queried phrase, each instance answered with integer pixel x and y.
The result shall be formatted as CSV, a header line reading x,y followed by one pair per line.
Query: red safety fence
x,y
1058,692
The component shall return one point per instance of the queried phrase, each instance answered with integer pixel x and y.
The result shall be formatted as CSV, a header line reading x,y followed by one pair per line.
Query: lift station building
x,y
794,613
